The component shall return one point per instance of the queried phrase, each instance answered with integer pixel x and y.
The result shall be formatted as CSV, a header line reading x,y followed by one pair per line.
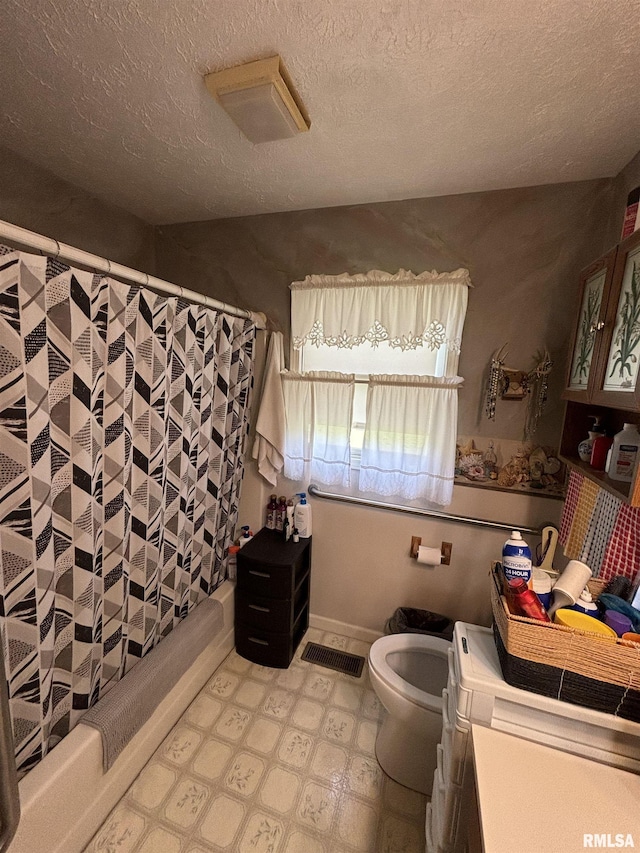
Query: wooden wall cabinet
x,y
604,367
595,288
272,598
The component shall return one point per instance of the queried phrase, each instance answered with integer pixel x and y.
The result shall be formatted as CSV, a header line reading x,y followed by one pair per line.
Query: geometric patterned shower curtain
x,y
123,422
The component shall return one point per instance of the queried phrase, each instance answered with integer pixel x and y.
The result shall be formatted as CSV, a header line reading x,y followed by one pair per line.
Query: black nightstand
x,y
272,598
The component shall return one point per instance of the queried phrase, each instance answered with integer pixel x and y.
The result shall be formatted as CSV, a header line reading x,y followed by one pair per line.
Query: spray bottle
x,y
516,559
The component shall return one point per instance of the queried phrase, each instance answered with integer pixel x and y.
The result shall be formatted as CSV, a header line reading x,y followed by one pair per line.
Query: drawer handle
x,y
261,609
259,574
256,640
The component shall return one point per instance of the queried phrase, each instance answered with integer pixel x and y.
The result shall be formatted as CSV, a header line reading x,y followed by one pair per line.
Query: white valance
x,y
405,309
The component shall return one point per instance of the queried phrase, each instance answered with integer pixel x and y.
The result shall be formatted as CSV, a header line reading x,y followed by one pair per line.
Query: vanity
x,y
502,755
533,798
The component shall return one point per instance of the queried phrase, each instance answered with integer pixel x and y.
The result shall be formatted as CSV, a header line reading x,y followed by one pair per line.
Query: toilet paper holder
x,y
445,550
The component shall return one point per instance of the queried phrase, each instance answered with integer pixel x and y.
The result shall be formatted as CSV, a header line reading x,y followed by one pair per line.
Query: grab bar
x,y
9,796
430,513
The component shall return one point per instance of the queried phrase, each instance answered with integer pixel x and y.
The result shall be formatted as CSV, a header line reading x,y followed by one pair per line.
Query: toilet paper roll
x,y
429,556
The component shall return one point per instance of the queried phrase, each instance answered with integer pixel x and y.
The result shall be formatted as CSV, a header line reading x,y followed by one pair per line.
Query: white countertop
x,y
534,799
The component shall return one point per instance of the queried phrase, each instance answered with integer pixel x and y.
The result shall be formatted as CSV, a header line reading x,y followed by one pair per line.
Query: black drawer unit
x,y
272,598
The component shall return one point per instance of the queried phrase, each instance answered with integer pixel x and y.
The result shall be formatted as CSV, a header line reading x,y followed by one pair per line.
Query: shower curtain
x,y
123,420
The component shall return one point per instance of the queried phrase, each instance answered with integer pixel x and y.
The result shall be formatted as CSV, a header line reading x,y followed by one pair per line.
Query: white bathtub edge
x,y
66,798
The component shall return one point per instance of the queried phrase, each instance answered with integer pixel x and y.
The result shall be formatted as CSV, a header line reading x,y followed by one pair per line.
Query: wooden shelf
x,y
615,487
555,493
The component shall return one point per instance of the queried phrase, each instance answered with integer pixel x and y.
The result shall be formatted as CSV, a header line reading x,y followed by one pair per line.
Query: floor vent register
x,y
333,659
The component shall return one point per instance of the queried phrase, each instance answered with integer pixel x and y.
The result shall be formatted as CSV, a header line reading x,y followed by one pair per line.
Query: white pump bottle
x,y
302,516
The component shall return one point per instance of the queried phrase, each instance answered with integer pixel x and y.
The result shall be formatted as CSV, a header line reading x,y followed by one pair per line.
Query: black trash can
x,y
410,620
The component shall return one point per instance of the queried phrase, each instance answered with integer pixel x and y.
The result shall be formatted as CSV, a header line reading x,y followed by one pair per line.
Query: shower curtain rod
x,y
50,246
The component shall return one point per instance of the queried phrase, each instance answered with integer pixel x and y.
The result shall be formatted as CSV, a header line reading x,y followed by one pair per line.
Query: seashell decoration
x,y
531,468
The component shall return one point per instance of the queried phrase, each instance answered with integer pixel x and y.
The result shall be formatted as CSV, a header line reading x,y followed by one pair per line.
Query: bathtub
x,y
66,797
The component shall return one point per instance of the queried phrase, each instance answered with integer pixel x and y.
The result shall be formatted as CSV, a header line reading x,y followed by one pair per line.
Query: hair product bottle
x,y
272,507
281,512
525,602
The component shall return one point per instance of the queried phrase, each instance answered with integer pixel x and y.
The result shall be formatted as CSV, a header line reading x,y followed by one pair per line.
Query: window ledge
x,y
556,491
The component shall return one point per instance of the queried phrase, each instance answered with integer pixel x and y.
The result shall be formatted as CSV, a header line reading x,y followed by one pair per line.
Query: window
x,y
363,360
386,347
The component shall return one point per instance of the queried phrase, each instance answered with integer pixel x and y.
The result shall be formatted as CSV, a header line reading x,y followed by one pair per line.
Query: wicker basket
x,y
566,663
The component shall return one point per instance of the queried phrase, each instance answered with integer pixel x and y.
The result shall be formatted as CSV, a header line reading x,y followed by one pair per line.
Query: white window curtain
x,y
409,443
406,310
318,411
411,421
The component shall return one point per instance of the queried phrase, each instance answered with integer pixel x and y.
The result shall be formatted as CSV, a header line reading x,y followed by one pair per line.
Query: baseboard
x,y
336,627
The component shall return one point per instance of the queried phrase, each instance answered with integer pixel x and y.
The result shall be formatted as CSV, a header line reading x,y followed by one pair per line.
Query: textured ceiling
x,y
407,98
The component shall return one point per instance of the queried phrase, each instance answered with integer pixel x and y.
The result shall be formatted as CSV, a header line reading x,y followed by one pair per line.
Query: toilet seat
x,y
408,643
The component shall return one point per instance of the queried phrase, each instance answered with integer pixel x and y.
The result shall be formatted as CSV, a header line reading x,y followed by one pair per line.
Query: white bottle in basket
x,y
516,559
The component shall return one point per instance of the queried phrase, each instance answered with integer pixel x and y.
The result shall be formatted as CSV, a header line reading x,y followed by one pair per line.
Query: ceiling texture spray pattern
x,y
407,98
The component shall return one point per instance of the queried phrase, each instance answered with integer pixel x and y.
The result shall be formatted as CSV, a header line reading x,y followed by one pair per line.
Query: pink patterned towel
x,y
622,556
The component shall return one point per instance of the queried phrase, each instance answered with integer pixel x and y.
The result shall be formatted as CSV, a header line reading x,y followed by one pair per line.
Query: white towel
x,y
268,447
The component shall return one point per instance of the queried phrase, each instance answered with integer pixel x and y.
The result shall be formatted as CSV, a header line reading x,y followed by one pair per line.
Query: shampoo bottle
x,y
516,559
302,516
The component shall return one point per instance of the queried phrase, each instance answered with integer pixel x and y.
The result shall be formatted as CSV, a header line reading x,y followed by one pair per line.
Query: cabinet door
x,y
595,283
619,356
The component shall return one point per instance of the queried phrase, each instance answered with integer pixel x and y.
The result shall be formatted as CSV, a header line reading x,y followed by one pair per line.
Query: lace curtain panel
x,y
411,420
318,409
409,443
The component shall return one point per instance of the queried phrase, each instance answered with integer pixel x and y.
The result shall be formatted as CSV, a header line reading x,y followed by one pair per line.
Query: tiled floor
x,y
270,761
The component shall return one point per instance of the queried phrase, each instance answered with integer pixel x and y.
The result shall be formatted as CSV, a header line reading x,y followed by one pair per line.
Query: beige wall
x,y
524,249
36,199
361,566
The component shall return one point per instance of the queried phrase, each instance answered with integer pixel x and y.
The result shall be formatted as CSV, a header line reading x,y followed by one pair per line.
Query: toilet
x,y
408,673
